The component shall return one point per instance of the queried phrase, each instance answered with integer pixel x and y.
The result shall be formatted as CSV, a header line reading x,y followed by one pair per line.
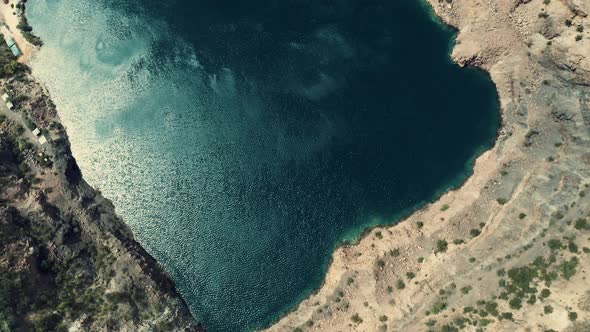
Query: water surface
x,y
244,140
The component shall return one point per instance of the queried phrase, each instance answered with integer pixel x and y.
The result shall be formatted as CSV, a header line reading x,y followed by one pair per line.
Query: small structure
x,y
9,40
5,97
10,105
36,132
42,140
15,51
12,45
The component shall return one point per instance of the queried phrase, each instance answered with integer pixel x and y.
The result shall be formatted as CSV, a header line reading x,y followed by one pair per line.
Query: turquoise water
x,y
243,141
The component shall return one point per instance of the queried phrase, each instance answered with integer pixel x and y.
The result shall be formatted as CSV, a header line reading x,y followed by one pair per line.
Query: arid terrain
x,y
510,249
507,251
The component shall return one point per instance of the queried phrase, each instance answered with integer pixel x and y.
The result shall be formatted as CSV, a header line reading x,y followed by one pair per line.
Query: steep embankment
x,y
509,250
66,259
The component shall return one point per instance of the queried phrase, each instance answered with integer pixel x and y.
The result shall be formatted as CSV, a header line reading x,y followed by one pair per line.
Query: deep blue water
x,y
244,140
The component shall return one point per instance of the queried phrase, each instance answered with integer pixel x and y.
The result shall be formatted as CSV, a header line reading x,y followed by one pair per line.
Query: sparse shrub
x,y
580,28
572,247
554,244
572,315
581,224
419,224
521,215
568,268
465,290
502,201
441,246
578,37
400,284
394,252
545,293
568,23
438,307
444,207
410,275
515,303
532,299
474,232
383,318
548,309
356,319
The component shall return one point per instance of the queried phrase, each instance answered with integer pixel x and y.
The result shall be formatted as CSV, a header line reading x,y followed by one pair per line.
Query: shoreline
x,y
420,207
322,309
457,183
107,243
483,159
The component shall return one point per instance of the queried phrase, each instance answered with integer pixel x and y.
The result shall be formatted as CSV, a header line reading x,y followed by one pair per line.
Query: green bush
x,y
554,244
438,307
581,224
466,289
572,315
548,309
356,319
568,268
515,303
501,200
441,246
400,284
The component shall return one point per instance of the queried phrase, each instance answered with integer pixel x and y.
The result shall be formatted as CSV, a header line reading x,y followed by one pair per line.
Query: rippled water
x,y
244,140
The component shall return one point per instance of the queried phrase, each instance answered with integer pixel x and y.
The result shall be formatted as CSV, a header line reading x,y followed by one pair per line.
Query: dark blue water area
x,y
301,124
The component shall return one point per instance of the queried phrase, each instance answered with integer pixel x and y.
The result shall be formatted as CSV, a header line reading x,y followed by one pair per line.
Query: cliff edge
x,y
67,262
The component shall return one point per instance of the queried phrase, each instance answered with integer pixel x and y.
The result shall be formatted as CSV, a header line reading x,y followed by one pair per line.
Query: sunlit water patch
x,y
243,141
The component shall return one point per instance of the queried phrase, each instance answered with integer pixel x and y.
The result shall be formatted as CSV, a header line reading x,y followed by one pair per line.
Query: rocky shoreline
x,y
509,249
67,261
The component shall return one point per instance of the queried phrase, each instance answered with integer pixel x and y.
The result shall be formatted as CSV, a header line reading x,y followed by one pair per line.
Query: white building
x,y
42,140
5,97
36,132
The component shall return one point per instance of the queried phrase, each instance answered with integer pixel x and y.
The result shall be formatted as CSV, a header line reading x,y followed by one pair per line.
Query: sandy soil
x,y
10,19
458,263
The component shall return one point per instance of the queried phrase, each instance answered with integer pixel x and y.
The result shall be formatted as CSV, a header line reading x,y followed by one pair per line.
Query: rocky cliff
x,y
67,262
